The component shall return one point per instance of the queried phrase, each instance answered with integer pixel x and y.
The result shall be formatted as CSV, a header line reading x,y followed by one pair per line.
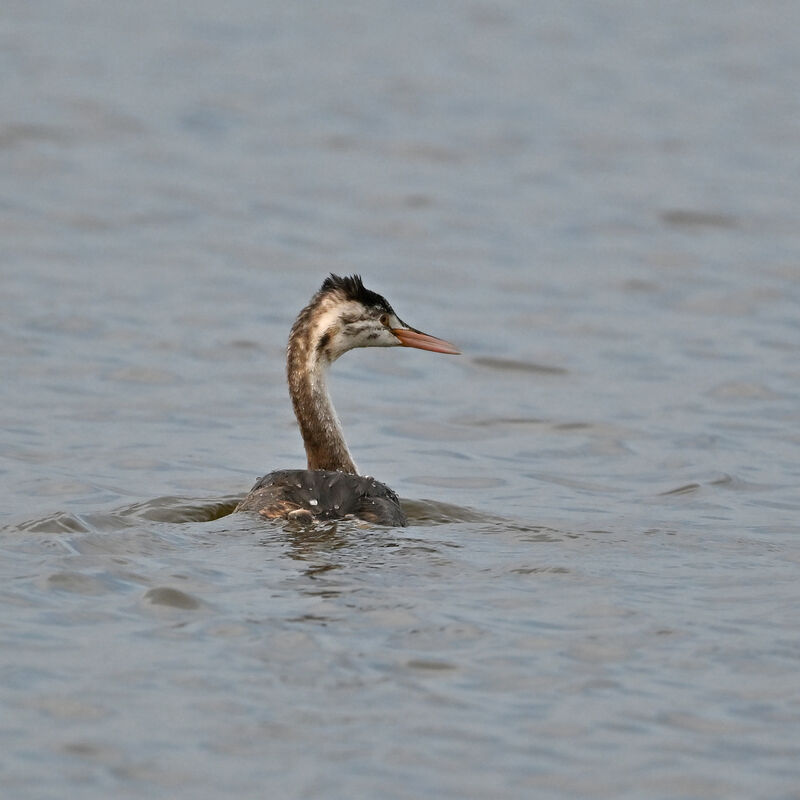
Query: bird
x,y
342,315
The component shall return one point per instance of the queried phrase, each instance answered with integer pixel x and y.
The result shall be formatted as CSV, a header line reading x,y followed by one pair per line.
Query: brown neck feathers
x,y
319,425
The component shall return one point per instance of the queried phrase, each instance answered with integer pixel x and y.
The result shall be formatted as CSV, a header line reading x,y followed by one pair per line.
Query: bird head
x,y
347,315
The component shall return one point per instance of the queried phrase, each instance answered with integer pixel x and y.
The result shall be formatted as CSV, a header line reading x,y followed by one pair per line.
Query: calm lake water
x,y
598,592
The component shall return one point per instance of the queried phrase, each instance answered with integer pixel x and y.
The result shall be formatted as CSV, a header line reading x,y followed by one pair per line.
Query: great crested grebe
x,y
342,315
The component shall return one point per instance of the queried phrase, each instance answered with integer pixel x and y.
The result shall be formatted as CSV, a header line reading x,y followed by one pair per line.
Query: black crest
x,y
352,287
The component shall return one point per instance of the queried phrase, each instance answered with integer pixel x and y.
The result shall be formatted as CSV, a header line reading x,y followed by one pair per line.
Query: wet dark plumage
x,y
352,287
323,494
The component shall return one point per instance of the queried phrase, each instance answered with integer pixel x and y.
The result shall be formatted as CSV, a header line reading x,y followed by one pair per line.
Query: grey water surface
x,y
598,592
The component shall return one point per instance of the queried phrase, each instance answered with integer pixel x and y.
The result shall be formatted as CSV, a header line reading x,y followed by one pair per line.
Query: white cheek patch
x,y
326,320
336,338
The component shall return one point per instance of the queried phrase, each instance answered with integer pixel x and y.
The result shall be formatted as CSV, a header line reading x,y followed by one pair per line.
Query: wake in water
x,y
179,510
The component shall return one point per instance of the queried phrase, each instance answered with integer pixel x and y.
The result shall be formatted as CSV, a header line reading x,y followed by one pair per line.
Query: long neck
x,y
319,425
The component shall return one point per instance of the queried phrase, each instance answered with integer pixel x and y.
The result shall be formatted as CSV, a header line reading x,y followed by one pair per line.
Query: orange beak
x,y
411,337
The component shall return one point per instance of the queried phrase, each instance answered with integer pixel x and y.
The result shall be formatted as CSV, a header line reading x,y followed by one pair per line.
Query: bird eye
x,y
385,320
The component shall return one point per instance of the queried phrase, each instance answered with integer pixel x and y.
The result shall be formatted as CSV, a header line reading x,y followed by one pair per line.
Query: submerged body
x,y
305,494
342,315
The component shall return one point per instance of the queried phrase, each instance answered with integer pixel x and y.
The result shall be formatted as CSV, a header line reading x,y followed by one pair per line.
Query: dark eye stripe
x,y
360,325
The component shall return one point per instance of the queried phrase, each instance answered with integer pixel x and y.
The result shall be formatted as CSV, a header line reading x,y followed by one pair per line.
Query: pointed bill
x,y
411,337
